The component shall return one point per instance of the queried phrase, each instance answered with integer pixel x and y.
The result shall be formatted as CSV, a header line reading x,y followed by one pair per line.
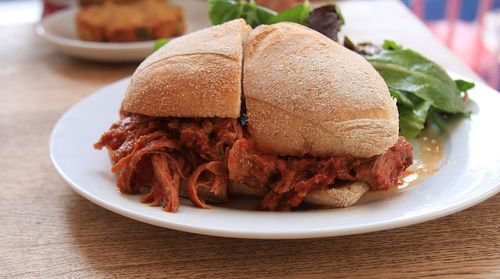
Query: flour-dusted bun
x,y
196,75
339,196
306,94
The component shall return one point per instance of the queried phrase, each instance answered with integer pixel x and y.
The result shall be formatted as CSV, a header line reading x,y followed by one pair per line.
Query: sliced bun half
x,y
196,75
339,196
306,94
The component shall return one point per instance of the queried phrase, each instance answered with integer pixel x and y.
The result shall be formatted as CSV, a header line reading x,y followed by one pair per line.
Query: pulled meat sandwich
x,y
280,112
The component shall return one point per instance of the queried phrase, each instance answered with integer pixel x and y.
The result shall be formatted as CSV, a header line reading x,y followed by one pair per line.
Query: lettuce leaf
x,y
412,120
298,14
407,70
464,86
221,11
159,44
425,93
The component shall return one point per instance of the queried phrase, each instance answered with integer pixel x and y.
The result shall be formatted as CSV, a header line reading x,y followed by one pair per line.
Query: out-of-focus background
x,y
470,28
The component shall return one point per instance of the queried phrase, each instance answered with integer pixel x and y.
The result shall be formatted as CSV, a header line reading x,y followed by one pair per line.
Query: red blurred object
x,y
51,6
278,5
465,38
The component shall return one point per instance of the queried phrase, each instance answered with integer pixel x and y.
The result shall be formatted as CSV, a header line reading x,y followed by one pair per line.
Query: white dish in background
x,y
59,30
471,174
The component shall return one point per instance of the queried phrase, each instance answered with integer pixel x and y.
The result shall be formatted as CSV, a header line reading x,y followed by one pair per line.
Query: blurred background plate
x,y
59,30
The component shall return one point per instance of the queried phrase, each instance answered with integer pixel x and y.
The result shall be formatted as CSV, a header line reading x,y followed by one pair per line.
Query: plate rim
x,y
451,208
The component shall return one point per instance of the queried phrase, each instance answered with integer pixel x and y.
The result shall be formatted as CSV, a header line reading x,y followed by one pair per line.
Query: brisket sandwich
x,y
281,113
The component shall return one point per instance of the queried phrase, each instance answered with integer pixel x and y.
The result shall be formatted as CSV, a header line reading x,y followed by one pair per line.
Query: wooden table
x,y
48,231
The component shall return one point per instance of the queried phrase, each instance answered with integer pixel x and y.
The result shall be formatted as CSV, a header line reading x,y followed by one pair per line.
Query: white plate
x,y
471,174
59,30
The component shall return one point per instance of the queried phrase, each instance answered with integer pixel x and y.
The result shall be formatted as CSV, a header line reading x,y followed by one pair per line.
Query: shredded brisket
x,y
290,179
165,154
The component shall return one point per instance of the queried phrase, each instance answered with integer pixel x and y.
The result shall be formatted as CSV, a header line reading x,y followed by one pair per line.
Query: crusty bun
x,y
197,75
306,94
339,196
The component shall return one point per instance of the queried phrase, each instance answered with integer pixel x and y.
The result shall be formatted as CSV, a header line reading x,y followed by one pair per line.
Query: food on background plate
x,y
138,21
303,119
84,3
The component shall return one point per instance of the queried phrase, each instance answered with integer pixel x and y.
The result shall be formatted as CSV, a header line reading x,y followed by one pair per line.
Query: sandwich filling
x,y
165,155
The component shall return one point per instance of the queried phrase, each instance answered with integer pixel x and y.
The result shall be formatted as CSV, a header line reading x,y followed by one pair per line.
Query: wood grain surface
x,y
48,231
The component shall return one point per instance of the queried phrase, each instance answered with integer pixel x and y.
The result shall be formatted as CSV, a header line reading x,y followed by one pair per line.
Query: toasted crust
x,y
340,196
197,75
306,94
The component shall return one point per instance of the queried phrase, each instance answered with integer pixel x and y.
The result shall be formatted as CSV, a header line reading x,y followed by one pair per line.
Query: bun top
x,y
306,94
196,75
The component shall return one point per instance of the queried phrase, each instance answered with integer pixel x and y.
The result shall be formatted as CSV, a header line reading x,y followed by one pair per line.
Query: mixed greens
x,y
326,19
425,93
221,11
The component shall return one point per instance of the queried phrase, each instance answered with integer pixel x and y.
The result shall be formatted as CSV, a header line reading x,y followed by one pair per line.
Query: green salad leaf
x,y
326,19
437,120
402,97
425,93
407,70
412,119
159,44
391,45
220,11
463,85
413,112
298,14
255,15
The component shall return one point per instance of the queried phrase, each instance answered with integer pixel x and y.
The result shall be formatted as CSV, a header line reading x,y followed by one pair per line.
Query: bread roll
x,y
306,94
340,196
196,75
